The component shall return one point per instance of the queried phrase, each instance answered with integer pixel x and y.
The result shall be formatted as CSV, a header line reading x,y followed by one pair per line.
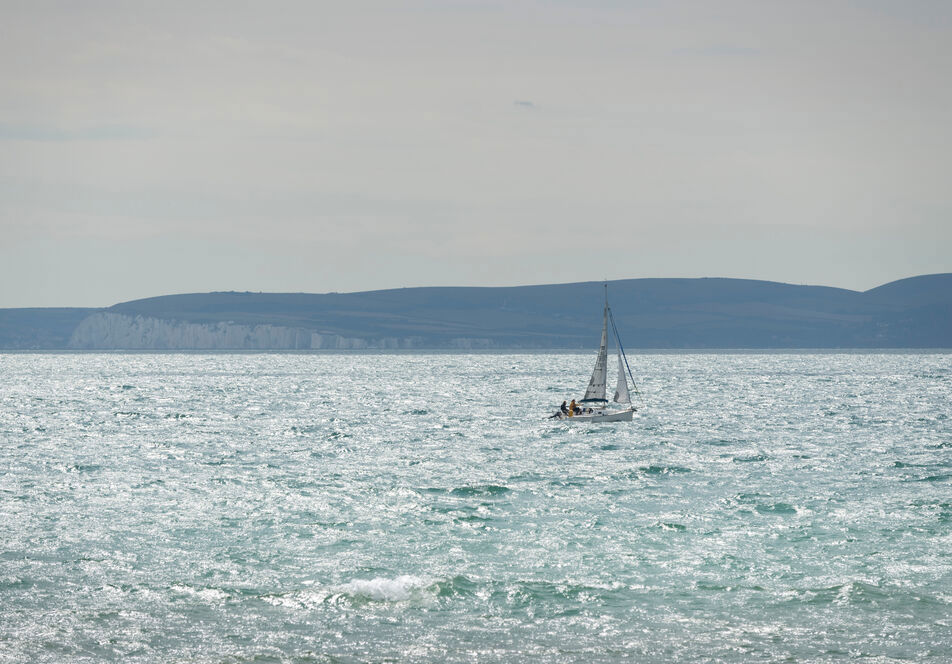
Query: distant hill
x,y
40,329
651,313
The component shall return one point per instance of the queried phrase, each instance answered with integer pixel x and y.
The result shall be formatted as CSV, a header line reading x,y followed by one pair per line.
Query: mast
x,y
596,386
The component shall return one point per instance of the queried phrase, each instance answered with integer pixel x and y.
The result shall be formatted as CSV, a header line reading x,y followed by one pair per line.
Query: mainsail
x,y
596,386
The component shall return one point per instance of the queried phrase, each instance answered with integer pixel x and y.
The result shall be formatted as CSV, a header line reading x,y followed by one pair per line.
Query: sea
x,y
231,508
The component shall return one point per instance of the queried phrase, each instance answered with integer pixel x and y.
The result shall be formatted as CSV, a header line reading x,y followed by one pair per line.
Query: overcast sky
x,y
154,148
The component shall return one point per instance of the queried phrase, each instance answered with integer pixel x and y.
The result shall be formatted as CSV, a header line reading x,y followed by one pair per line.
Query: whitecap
x,y
381,589
210,595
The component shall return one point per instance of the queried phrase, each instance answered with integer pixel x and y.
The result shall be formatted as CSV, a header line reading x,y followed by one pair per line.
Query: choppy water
x,y
233,508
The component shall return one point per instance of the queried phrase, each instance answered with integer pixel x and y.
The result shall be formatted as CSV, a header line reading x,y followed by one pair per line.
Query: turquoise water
x,y
419,508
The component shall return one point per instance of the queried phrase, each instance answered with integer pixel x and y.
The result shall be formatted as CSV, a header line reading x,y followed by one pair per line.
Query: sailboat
x,y
594,407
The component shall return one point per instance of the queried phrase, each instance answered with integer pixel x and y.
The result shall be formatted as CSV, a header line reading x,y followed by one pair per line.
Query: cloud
x,y
719,51
10,132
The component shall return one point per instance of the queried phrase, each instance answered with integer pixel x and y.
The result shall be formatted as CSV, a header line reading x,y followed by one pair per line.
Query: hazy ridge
x,y
650,313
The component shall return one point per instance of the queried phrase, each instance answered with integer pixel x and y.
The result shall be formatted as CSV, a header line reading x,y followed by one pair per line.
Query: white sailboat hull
x,y
624,415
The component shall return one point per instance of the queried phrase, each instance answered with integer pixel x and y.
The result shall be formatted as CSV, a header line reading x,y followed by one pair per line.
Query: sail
x,y
596,386
621,388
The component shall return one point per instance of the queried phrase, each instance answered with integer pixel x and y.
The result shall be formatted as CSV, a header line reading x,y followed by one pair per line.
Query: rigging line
x,y
624,356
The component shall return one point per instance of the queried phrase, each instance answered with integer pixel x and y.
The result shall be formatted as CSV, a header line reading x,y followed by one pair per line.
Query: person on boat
x,y
572,408
564,408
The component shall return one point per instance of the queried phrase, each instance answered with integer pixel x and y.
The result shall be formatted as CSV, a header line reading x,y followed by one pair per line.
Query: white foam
x,y
382,589
210,595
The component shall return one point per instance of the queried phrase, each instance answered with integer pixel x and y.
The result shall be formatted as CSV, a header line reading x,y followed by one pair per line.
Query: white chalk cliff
x,y
109,331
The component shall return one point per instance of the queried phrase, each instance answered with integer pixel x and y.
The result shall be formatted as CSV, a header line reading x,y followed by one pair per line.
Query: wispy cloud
x,y
719,51
13,132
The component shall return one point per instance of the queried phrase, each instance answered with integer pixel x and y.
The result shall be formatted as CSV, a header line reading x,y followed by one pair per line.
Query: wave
x,y
753,458
663,470
481,490
761,503
207,594
403,589
866,593
382,589
415,590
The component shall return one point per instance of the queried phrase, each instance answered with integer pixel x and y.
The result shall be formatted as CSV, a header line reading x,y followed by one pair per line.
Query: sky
x,y
149,148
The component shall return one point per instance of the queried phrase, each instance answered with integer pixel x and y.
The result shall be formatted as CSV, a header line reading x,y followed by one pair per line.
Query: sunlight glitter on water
x,y
421,508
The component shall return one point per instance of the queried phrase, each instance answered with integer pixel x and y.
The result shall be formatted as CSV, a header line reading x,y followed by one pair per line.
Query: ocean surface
x,y
420,508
